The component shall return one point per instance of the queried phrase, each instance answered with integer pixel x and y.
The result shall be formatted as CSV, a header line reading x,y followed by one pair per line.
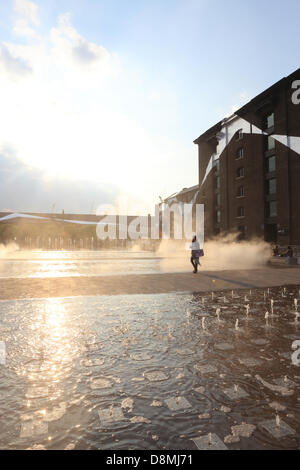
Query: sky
x,y
101,100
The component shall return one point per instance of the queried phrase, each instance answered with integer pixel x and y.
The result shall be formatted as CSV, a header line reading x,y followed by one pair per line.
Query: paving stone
x,y
285,383
141,356
207,369
278,432
156,376
178,403
235,394
185,352
224,346
199,389
204,443
109,416
260,341
33,428
100,383
250,362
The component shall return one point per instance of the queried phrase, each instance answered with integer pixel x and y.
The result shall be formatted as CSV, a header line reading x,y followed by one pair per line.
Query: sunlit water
x,y
72,363
42,264
49,264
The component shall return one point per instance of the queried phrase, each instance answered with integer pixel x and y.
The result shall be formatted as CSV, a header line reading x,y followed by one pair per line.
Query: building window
x,y
218,199
242,232
271,186
241,191
239,134
271,164
240,172
272,209
218,216
218,182
269,121
271,143
241,212
240,153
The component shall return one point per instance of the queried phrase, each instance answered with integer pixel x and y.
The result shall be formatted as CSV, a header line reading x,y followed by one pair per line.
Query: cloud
x,y
82,114
26,17
68,42
21,28
26,188
27,10
13,64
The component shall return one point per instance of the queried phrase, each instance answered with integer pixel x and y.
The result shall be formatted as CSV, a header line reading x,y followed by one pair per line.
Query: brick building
x,y
249,168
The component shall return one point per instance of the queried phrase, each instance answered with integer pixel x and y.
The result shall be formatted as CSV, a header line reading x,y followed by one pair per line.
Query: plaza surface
x,y
20,288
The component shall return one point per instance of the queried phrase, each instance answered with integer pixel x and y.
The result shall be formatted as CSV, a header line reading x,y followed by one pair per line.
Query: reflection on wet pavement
x,y
172,371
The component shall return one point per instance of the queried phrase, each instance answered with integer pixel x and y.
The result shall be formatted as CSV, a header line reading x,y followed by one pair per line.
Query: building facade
x,y
249,168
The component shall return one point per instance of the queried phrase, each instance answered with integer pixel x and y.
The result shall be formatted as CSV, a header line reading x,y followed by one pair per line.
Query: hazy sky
x,y
100,100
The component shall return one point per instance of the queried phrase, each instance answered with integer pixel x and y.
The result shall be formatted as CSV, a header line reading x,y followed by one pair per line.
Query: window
x,y
241,191
241,212
218,216
218,182
218,199
271,143
240,172
269,121
240,153
272,209
271,164
239,134
271,186
217,165
242,232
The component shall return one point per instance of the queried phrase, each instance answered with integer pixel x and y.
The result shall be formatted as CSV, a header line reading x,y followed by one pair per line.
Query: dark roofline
x,y
183,191
268,92
211,132
265,94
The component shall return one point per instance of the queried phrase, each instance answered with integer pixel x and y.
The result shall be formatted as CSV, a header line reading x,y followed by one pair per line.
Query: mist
x,y
222,252
6,250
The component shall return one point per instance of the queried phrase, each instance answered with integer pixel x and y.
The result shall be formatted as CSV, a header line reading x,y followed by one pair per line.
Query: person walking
x,y
196,253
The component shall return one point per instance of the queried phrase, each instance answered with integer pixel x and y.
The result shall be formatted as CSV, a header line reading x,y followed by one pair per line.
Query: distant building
x,y
186,195
249,168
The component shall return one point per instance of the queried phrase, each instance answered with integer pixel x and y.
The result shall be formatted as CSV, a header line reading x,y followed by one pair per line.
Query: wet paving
x,y
171,371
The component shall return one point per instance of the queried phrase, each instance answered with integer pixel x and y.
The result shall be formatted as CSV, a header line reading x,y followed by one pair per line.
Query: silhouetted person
x,y
195,254
276,250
